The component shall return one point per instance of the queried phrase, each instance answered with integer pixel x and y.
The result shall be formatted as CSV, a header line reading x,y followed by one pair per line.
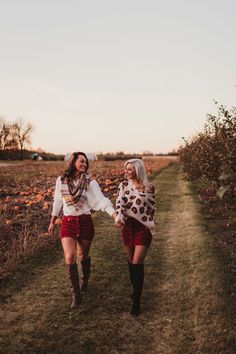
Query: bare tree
x,y
4,133
22,131
8,142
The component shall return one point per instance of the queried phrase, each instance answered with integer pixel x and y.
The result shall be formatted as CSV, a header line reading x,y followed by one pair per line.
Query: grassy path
x,y
187,303
195,302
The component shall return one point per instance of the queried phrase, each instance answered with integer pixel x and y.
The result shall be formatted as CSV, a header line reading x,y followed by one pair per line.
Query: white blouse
x,y
93,199
137,204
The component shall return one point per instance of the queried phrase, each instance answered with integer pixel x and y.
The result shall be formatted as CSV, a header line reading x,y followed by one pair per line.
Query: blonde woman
x,y
76,194
135,208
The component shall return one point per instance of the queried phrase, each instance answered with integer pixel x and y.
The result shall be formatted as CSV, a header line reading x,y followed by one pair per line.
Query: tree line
x,y
120,155
211,154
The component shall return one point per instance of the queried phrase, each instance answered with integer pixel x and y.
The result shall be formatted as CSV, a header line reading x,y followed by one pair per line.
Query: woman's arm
x,y
120,205
57,201
97,200
151,198
57,205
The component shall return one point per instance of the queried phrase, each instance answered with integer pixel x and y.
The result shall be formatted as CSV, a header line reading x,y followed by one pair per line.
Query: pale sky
x,y
105,75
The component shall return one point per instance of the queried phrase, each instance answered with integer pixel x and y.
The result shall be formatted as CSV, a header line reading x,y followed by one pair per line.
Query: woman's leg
x,y
140,253
86,235
85,261
129,253
84,248
70,253
69,245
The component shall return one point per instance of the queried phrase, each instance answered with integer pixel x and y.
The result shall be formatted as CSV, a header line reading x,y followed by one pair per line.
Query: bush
x,y
211,154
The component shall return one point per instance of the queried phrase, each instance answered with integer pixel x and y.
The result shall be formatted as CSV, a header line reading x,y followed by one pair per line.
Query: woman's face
x,y
81,164
130,171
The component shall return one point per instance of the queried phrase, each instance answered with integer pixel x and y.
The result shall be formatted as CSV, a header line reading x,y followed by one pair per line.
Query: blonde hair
x,y
139,169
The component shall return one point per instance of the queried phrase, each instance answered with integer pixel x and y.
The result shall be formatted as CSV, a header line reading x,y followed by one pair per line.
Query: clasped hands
x,y
119,223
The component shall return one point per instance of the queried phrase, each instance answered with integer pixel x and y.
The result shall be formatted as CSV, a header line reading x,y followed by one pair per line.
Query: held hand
x,y
120,224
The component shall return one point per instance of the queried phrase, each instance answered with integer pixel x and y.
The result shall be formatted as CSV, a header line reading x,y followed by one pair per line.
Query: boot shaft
x,y
85,267
130,271
73,274
72,270
138,278
85,273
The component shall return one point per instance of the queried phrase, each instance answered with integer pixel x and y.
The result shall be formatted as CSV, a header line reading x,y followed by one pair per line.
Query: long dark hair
x,y
70,172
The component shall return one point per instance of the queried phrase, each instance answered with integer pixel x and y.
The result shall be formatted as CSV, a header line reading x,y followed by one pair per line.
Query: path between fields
x,y
183,305
191,304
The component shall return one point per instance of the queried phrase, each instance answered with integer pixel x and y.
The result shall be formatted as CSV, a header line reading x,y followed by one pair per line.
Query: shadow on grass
x,y
27,270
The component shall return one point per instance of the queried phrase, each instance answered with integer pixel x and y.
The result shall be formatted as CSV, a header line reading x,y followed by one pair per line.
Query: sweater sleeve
x,y
97,200
151,199
120,207
57,202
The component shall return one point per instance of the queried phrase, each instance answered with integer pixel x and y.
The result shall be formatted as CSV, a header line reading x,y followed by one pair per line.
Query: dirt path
x,y
187,303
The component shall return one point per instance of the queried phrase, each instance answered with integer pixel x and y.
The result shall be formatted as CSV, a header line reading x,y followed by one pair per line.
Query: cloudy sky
x,y
106,75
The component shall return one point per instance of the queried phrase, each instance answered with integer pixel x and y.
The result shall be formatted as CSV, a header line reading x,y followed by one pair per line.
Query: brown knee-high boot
x,y
138,278
75,288
85,273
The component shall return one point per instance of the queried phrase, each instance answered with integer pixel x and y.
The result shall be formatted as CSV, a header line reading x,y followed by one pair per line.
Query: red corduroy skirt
x,y
134,233
79,227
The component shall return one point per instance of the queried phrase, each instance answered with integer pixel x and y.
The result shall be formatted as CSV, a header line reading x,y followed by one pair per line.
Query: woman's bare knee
x,y
139,254
69,248
129,253
138,260
82,256
70,258
83,249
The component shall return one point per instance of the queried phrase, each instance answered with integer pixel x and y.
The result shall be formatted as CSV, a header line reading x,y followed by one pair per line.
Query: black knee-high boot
x,y
131,277
138,278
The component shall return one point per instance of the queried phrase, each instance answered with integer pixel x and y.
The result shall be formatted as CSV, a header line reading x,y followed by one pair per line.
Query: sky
x,y
109,76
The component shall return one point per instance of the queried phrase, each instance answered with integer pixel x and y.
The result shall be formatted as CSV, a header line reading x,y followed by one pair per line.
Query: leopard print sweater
x,y
139,205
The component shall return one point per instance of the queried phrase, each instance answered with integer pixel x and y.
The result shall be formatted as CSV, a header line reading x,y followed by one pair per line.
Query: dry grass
x,y
24,239
187,303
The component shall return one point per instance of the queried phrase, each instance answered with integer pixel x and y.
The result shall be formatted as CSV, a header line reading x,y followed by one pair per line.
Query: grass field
x,y
188,302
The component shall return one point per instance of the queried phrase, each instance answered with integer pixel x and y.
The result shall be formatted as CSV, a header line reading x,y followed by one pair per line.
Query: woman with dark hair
x,y
135,207
76,194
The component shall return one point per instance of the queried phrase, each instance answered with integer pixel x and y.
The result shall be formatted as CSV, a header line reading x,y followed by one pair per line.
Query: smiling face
x,y
130,171
81,164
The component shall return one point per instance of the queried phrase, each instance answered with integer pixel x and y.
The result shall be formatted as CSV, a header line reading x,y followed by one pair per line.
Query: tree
x,y
22,131
4,133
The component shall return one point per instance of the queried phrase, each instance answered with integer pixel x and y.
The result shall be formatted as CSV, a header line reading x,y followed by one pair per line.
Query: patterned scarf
x,y
72,189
